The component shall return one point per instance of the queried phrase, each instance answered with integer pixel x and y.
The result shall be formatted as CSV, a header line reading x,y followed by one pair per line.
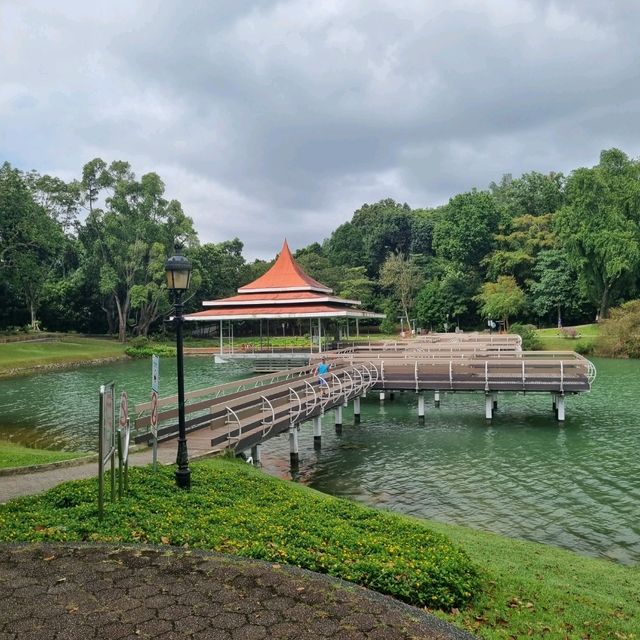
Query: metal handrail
x,y
273,415
292,418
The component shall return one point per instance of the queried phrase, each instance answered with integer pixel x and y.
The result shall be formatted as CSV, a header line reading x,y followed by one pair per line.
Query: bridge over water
x,y
240,415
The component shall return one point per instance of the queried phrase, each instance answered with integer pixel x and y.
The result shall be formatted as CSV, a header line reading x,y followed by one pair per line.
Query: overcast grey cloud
x,y
268,119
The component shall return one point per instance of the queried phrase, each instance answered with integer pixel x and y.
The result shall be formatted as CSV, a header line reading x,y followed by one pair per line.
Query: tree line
x,y
88,254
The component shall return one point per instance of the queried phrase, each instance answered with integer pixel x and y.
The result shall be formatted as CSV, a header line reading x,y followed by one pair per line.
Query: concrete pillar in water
x,y
494,396
560,407
421,405
338,418
392,395
317,431
356,409
256,454
554,402
488,406
293,446
436,398
382,396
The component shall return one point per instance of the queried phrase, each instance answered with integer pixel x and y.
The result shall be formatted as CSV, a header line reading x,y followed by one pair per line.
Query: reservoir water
x,y
575,486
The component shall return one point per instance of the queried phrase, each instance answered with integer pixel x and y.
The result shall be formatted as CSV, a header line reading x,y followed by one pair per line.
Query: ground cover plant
x,y
235,509
13,455
17,356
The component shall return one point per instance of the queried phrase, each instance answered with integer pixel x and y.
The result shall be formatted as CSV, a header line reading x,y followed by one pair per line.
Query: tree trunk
x,y
604,302
122,318
559,317
34,322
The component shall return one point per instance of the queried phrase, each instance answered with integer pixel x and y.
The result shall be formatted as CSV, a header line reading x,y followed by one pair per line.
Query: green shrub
x,y
584,348
235,509
151,350
530,340
139,342
620,334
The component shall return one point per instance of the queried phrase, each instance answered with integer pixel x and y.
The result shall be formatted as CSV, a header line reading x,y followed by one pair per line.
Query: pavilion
x,y
284,292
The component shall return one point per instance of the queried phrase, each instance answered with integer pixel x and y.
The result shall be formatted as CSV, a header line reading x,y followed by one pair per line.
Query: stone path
x,y
26,484
68,592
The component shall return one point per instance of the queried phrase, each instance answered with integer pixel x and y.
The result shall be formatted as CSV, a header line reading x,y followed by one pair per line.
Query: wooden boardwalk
x,y
240,415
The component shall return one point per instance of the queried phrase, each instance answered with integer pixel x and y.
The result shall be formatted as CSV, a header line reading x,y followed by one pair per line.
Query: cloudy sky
x,y
268,119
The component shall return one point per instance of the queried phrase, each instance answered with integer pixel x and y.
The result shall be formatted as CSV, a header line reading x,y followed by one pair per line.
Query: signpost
x,y
155,383
106,442
124,435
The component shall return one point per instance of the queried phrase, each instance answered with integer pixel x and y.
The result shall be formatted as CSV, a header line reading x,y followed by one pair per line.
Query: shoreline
x,y
53,366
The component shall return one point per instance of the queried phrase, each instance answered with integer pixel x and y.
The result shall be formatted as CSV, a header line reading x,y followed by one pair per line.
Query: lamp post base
x,y
183,478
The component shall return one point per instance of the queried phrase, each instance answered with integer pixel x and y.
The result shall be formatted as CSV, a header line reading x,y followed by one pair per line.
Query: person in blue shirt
x,y
322,371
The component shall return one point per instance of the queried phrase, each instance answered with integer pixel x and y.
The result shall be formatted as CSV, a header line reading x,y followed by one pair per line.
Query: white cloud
x,y
268,119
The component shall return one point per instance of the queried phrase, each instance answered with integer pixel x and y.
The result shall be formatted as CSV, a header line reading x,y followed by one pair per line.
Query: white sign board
x,y
155,373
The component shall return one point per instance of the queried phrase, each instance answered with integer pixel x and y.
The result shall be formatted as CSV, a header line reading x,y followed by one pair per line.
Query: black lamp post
x,y
178,270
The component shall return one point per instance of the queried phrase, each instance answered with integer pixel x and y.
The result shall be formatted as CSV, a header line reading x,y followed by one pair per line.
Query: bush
x,y
235,509
139,342
620,334
569,332
151,350
584,348
527,332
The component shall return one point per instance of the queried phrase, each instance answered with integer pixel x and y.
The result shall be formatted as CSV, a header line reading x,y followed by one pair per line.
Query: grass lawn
x,y
13,455
552,339
524,590
27,355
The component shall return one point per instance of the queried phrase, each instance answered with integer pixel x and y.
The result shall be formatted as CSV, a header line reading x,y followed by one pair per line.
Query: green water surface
x,y
575,486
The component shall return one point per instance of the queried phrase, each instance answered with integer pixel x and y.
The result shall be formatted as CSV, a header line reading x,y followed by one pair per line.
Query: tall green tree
x,y
501,299
464,234
130,241
599,227
556,285
402,279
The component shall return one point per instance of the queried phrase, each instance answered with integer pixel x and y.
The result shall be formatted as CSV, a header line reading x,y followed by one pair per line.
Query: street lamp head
x,y
178,271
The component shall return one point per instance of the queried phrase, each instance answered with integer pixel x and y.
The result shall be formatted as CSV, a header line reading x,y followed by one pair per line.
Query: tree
x,y
620,334
556,286
30,241
464,233
599,226
501,299
533,194
131,239
401,277
518,243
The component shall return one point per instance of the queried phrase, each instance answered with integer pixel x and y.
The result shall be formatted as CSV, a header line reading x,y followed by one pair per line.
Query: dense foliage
x,y
235,509
88,255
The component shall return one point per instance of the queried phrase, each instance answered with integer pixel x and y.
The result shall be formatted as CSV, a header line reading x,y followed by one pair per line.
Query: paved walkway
x,y
67,592
26,484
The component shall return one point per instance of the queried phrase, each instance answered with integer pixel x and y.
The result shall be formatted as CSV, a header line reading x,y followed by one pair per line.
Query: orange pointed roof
x,y
285,275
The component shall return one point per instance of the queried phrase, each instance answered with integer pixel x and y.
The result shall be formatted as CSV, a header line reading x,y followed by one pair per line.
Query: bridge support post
x,y
392,395
256,454
317,431
560,407
421,405
382,396
356,409
293,446
554,403
338,418
488,406
495,400
436,398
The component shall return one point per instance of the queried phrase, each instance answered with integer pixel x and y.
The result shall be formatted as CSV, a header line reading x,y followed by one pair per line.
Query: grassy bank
x,y
18,357
554,340
13,455
526,589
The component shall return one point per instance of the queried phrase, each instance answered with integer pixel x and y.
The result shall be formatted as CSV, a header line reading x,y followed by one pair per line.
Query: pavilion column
x,y
221,338
357,328
319,335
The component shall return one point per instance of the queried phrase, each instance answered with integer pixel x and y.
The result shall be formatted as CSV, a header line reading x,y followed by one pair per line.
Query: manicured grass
x,y
235,509
26,355
551,339
526,589
537,591
13,455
